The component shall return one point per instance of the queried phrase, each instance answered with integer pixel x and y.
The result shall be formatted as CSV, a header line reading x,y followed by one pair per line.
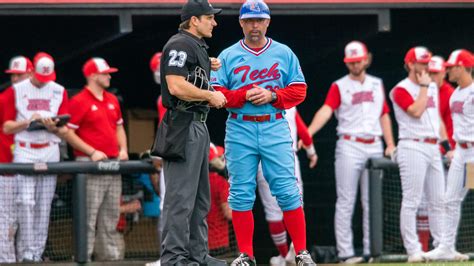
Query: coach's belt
x,y
466,145
33,145
426,140
201,117
361,140
256,118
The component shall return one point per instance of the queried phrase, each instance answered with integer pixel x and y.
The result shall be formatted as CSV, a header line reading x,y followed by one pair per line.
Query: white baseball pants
x,y
455,194
351,158
421,169
34,198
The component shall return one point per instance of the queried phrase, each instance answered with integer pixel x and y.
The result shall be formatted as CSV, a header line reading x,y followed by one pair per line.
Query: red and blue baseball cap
x,y
254,9
155,62
44,67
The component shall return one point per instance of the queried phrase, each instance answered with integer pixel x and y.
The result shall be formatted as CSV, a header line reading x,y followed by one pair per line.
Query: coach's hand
x,y
123,155
217,99
50,124
389,150
258,95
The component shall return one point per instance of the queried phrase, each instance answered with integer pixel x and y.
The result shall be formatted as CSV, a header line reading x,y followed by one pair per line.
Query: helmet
x,y
254,9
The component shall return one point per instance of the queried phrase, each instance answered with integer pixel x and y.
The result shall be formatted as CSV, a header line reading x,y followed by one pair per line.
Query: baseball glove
x,y
199,79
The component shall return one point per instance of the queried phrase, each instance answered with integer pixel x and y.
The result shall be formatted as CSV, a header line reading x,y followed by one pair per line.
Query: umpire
x,y
183,138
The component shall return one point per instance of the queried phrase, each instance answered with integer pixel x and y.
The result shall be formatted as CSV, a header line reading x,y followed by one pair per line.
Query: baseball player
x,y
97,133
20,68
420,128
273,213
358,101
183,138
459,67
36,98
438,74
261,78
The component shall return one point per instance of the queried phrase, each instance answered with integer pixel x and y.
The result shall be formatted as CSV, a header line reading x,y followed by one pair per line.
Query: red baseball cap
x,y
44,67
418,54
436,64
19,65
155,62
460,57
97,65
355,51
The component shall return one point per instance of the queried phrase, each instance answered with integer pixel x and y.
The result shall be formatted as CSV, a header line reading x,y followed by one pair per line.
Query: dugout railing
x,y
79,196
385,197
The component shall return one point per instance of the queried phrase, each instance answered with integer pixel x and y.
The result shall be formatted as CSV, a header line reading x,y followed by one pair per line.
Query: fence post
x,y
79,214
375,211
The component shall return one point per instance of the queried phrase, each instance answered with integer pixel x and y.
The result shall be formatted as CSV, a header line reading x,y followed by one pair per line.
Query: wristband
x,y
310,151
424,85
445,145
92,153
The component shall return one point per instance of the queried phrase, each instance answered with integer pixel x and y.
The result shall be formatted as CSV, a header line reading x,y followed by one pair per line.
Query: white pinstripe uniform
x,y
462,109
420,166
35,193
358,117
270,205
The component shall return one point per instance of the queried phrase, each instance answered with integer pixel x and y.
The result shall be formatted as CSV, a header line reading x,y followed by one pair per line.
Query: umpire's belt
x,y
256,118
201,117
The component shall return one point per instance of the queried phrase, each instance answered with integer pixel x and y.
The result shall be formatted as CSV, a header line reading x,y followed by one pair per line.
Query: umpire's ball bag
x,y
172,136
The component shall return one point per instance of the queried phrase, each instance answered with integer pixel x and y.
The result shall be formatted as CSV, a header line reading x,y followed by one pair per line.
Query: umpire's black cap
x,y
197,8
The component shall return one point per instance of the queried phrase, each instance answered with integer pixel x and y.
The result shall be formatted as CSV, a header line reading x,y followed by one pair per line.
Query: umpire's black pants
x,y
187,202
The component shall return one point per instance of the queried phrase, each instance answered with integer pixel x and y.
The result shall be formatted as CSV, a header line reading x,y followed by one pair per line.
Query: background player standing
x,y
420,128
37,98
20,68
358,101
187,201
261,78
97,133
459,68
273,213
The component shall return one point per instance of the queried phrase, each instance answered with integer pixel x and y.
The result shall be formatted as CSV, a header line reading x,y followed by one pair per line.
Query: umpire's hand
x,y
217,99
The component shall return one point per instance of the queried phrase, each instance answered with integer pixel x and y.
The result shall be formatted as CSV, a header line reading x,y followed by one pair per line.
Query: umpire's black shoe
x,y
211,261
244,260
304,259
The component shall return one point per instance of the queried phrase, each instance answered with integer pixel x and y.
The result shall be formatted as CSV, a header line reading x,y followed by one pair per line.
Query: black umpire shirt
x,y
181,55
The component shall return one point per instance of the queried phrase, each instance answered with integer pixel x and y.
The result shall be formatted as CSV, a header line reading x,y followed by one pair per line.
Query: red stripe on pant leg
x,y
243,228
296,226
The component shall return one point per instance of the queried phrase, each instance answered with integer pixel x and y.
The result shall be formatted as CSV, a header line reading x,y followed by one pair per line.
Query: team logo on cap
x,y
254,7
46,70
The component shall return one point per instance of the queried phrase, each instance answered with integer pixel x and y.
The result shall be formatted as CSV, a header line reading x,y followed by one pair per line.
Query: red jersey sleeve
x,y
290,96
77,112
402,98
64,107
385,108
333,99
9,109
302,130
235,98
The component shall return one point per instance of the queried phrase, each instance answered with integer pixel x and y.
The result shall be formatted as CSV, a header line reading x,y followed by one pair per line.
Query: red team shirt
x,y
218,224
96,121
6,141
333,99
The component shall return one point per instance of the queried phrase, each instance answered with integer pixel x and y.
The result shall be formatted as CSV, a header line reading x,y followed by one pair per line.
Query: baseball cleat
x,y
416,257
304,259
277,261
244,260
353,260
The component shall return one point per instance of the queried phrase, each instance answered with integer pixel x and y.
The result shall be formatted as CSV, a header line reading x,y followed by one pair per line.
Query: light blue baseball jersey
x,y
275,66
